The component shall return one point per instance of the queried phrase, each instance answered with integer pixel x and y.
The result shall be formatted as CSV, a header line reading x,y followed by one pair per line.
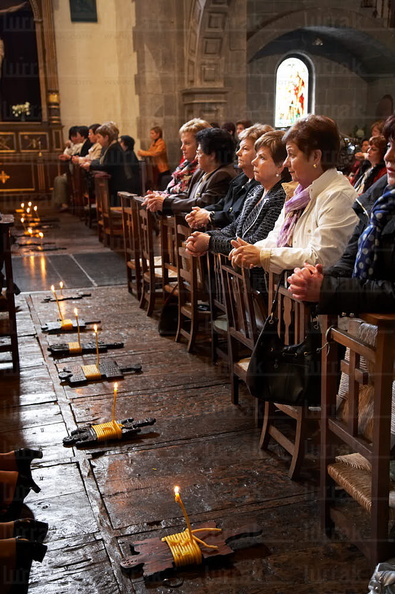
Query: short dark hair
x,y
73,131
389,128
316,132
94,127
218,141
230,127
245,123
84,131
128,141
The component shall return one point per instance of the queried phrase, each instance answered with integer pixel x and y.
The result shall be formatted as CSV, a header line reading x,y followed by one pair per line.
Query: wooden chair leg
x,y
267,419
299,447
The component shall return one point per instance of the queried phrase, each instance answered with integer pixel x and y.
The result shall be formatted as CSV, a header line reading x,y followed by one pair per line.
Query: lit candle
x,y
114,401
177,498
22,205
23,223
57,302
28,211
61,287
35,208
30,231
41,235
78,325
97,345
29,204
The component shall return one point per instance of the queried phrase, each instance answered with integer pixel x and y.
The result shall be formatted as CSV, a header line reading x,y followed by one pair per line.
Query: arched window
x,y
292,91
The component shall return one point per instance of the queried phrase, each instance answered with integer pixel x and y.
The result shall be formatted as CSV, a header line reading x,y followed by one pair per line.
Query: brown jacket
x,y
201,191
158,151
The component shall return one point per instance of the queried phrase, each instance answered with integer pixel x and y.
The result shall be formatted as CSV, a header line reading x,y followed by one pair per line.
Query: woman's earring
x,y
315,165
277,175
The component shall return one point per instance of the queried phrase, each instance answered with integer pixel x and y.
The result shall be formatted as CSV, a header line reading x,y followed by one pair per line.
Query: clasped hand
x,y
244,255
198,217
153,201
305,283
197,244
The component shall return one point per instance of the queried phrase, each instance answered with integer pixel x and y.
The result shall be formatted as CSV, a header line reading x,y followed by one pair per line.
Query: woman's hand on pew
x,y
244,255
198,217
154,202
197,244
305,283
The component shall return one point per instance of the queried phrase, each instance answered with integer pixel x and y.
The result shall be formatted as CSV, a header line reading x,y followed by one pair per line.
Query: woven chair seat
x,y
352,473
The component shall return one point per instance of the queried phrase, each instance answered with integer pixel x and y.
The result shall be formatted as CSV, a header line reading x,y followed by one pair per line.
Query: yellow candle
x,y
97,345
61,287
178,500
78,325
114,401
57,302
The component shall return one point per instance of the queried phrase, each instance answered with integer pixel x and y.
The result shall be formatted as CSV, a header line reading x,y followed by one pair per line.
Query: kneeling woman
x,y
317,221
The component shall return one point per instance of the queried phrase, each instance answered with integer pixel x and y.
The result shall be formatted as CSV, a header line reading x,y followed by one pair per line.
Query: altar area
x,y
31,135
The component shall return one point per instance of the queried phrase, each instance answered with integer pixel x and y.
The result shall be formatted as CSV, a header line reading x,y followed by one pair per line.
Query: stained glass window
x,y
292,91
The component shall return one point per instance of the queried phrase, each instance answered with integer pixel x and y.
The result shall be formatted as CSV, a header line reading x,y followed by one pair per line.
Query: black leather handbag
x,y
286,374
168,318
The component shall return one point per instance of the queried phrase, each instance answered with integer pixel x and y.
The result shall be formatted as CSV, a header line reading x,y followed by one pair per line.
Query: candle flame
x,y
22,220
176,490
28,210
41,234
61,284
53,288
115,386
35,208
22,205
29,203
95,329
76,312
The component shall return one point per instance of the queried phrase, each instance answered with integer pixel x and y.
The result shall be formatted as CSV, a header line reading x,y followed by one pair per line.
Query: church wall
x,y
97,66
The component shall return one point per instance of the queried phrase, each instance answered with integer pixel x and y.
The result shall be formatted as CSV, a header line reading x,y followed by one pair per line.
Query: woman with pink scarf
x,y
317,219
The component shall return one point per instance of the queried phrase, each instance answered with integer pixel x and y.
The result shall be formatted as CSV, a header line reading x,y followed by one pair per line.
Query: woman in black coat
x,y
112,161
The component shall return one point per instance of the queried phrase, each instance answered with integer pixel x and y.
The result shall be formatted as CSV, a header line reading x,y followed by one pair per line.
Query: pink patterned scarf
x,y
293,209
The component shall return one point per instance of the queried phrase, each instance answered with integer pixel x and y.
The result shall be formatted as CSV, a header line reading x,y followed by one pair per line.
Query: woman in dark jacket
x,y
112,160
363,279
131,164
375,165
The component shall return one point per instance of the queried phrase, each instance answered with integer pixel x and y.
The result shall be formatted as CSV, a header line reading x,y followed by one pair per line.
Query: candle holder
x,y
113,430
156,557
109,370
56,327
65,349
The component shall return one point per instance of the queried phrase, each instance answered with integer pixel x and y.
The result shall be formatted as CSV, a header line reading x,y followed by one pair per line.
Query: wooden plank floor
x,y
99,501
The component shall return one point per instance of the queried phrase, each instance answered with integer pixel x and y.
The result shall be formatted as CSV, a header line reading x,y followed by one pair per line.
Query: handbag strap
x,y
281,281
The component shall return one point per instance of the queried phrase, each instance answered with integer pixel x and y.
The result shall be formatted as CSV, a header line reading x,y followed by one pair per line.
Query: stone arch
x,y
360,42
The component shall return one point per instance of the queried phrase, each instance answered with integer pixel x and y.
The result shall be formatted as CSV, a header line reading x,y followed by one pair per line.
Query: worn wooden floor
x,y
99,501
